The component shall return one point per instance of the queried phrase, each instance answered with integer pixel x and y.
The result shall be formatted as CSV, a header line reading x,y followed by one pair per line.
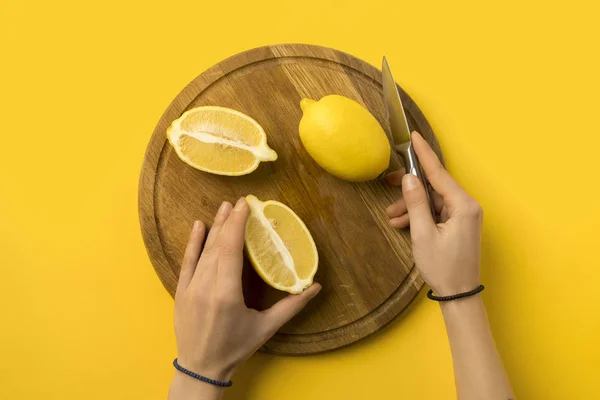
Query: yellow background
x,y
511,88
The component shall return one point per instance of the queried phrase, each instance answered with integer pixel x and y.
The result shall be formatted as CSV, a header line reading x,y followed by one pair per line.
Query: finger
x,y
438,201
282,311
397,212
207,266
419,212
400,222
191,255
220,219
397,209
231,244
441,181
395,178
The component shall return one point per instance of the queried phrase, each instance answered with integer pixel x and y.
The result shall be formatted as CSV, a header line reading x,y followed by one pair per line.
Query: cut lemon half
x,y
280,246
220,140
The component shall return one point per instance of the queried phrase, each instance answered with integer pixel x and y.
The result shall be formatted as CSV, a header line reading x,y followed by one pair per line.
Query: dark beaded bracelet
x,y
431,296
200,377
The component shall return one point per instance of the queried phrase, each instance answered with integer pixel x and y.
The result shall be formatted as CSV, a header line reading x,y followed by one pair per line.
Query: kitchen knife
x,y
400,131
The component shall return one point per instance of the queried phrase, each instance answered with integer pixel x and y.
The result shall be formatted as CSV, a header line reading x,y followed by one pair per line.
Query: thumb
x,y
285,309
419,212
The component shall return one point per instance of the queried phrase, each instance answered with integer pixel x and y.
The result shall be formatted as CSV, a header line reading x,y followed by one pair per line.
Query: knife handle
x,y
411,163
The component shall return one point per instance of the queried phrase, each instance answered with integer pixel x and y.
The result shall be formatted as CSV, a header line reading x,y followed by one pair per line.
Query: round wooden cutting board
x,y
366,267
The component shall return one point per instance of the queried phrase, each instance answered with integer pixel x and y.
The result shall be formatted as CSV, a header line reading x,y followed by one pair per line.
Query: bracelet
x,y
431,296
200,377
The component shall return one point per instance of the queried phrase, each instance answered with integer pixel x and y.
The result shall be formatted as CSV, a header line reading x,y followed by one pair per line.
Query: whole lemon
x,y
344,138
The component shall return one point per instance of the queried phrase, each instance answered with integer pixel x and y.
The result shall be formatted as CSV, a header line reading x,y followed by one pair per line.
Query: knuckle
x,y
196,297
439,172
419,202
227,251
224,299
473,208
219,220
208,253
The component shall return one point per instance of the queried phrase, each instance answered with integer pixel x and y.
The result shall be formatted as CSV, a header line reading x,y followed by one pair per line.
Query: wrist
x,y
462,306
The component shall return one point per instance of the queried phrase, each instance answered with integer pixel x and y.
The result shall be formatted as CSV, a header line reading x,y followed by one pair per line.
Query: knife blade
x,y
398,123
400,130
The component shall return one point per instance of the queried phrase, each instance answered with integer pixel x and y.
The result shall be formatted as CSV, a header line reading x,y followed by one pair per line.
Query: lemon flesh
x,y
280,247
220,141
344,138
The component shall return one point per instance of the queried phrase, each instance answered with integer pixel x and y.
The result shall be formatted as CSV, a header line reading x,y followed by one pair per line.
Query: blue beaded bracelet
x,y
200,377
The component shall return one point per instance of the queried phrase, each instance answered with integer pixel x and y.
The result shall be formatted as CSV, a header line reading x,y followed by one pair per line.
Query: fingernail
x,y
409,182
197,225
240,204
225,206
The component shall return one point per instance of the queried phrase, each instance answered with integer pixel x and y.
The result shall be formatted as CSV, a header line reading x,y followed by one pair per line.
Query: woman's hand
x,y
215,330
446,253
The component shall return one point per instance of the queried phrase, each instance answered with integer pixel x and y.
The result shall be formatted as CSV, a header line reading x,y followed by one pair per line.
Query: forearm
x,y
478,369
184,387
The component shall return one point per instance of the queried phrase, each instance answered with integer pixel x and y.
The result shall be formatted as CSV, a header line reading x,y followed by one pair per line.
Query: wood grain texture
x,y
366,268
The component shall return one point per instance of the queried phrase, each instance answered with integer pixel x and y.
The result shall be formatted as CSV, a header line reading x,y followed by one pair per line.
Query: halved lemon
x,y
280,246
220,141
